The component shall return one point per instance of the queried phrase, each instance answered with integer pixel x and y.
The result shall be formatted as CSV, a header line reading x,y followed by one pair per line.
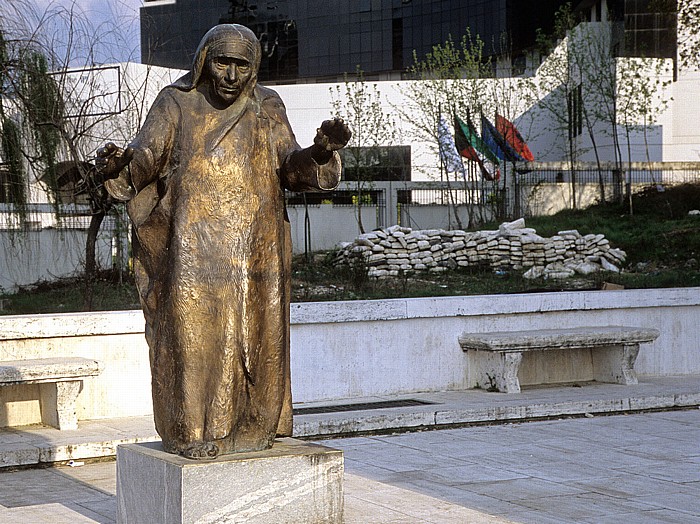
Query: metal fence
x,y
609,175
43,242
46,244
343,198
546,188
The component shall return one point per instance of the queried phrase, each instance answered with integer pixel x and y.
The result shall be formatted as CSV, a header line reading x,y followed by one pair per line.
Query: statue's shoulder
x,y
266,94
169,99
271,103
173,94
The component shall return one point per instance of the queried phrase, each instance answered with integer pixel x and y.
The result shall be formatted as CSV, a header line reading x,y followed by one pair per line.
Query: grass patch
x,y
68,295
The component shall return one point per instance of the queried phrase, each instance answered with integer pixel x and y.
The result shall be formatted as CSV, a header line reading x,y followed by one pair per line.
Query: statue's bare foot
x,y
201,450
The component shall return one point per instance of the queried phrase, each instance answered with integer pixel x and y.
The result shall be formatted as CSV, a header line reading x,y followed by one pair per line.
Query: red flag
x,y
514,138
469,153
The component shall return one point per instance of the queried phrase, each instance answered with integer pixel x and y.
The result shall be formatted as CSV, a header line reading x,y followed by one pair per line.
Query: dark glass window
x,y
388,163
305,39
575,111
6,193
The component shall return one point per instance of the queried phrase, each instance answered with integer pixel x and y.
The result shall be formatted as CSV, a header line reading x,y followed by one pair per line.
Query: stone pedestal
x,y
292,482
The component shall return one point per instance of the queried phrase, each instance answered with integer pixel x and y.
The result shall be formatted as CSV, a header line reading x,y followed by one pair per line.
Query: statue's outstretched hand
x,y
112,159
332,135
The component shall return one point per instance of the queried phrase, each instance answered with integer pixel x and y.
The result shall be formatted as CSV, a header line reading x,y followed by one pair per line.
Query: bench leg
x,y
616,364
58,401
495,370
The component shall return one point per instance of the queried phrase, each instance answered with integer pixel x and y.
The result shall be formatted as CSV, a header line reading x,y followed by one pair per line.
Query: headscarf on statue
x,y
244,39
252,96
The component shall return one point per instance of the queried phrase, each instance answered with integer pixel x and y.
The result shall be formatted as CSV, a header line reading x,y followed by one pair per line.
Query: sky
x,y
114,22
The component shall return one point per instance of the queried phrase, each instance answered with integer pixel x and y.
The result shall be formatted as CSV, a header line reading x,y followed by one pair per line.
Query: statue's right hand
x,y
112,159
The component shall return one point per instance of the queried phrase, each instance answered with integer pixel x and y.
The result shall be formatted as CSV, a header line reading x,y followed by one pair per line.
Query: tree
x,y
448,78
623,96
49,92
688,37
559,93
585,85
360,105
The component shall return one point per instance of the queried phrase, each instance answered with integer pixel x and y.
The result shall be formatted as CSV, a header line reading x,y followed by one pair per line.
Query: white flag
x,y
448,150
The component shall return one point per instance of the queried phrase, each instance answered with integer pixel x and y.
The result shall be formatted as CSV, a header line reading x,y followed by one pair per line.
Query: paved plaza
x,y
636,468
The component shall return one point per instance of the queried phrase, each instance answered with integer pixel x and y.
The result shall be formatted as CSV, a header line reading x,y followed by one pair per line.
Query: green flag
x,y
468,132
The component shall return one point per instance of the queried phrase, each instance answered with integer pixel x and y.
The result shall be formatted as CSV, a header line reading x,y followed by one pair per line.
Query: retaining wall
x,y
353,349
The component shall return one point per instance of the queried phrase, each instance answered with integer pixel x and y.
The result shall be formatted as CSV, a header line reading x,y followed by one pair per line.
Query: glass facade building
x,y
643,28
313,40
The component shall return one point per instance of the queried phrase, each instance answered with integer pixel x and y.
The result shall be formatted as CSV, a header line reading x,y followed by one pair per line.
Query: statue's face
x,y
228,69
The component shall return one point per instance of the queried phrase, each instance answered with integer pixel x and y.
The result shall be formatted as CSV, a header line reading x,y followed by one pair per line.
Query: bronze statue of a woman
x,y
205,179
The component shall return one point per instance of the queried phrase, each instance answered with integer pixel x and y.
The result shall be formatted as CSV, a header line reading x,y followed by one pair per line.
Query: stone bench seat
x,y
495,358
60,381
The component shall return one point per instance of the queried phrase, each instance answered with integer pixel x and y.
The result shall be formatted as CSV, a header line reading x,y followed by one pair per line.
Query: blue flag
x,y
496,142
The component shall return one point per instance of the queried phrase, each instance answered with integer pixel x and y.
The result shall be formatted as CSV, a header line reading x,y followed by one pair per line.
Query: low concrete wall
x,y
32,256
355,349
329,225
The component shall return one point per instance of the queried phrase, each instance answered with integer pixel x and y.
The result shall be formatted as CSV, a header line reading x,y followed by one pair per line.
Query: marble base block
x,y
293,482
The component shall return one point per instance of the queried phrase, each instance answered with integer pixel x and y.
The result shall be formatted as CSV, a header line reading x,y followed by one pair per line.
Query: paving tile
x,y
368,471
348,443
399,458
471,449
673,424
616,459
662,516
665,449
689,487
104,511
626,485
554,468
524,515
684,416
686,503
458,475
625,468
586,505
525,488
424,508
54,513
672,471
457,495
33,487
100,475
359,511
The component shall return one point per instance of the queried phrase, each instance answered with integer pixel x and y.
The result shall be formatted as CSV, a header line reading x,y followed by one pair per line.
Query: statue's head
x,y
227,61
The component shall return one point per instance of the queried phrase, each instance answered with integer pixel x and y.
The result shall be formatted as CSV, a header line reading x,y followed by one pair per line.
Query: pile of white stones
x,y
391,251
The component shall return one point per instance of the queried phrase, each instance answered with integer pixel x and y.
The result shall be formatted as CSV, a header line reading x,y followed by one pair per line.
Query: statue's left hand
x,y
332,135
112,159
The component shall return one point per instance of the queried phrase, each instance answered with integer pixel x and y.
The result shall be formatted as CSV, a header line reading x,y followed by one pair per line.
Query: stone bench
x,y
60,381
494,358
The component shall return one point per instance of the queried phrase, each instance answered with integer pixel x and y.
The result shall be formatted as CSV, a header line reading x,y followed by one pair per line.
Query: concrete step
x,y
418,411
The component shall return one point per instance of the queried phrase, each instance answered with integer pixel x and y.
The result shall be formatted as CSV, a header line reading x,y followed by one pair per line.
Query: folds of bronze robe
x,y
212,259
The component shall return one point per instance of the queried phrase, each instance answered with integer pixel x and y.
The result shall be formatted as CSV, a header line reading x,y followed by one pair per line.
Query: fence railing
x,y
548,187
536,188
609,174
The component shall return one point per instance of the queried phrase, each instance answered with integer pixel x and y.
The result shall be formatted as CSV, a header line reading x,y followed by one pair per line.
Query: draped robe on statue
x,y
213,261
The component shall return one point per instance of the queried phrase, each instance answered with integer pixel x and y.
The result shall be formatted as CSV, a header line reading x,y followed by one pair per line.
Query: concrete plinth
x,y
292,482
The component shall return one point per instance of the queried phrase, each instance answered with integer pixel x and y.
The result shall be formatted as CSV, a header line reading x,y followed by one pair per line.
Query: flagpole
x,y
441,155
